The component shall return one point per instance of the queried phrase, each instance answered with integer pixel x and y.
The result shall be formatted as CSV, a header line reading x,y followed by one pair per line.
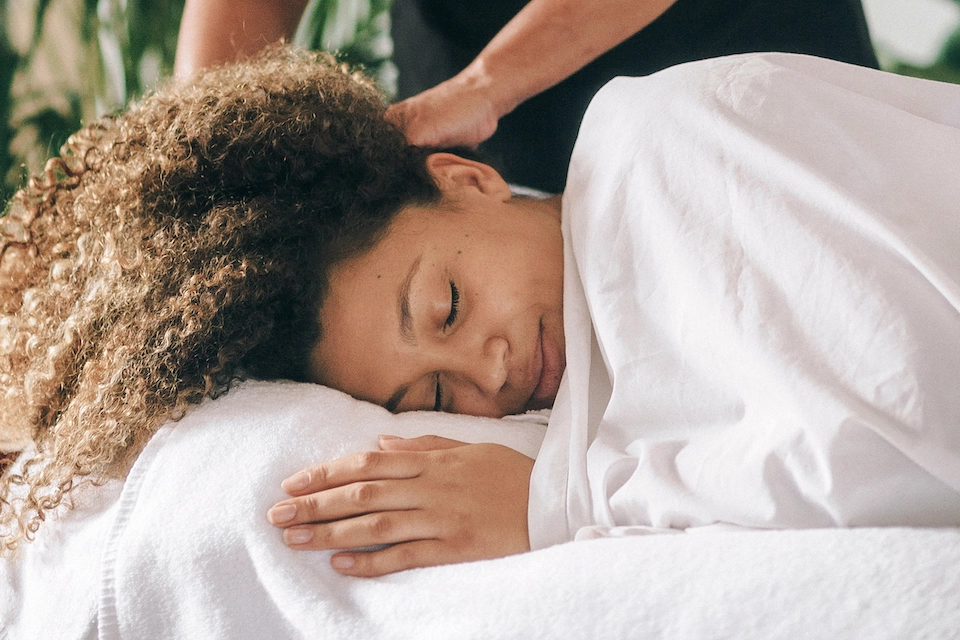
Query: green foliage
x,y
357,29
9,61
137,42
65,62
946,68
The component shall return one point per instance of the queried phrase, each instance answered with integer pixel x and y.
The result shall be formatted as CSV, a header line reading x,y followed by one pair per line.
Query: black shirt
x,y
435,39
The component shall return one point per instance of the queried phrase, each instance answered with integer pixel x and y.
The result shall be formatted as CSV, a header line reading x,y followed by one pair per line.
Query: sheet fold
x,y
767,248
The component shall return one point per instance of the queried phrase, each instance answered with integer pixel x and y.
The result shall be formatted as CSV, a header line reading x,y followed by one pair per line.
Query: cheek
x,y
512,270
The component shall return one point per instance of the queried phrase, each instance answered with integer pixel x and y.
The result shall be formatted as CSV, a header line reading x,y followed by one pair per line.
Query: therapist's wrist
x,y
497,88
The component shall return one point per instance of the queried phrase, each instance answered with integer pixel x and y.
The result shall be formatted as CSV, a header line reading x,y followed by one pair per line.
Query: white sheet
x,y
768,248
186,552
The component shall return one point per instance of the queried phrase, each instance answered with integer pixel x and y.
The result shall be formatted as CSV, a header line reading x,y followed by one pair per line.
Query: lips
x,y
551,365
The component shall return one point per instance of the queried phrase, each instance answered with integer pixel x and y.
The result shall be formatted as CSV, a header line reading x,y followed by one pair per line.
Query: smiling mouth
x,y
551,371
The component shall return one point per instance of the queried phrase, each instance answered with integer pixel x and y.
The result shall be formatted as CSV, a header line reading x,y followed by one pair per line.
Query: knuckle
x,y
319,475
444,457
367,460
363,494
381,525
365,565
464,538
322,536
312,506
430,442
404,557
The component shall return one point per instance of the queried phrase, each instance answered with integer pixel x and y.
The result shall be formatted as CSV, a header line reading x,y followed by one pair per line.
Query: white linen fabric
x,y
184,550
767,248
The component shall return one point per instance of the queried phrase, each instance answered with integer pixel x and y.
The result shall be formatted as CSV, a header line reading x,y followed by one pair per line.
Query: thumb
x,y
397,114
423,443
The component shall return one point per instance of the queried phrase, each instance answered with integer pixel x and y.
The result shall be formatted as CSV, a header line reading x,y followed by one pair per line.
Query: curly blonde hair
x,y
175,248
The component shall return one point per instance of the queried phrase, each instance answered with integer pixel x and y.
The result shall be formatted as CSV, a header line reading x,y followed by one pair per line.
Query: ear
x,y
456,175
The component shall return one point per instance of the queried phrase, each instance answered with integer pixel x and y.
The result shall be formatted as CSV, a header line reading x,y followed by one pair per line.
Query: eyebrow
x,y
403,300
406,328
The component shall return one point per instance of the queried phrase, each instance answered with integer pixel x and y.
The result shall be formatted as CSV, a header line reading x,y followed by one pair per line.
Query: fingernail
x,y
296,482
342,562
282,513
382,437
297,536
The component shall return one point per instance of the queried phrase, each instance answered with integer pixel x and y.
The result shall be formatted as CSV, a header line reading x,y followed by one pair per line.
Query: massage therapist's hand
x,y
435,501
457,113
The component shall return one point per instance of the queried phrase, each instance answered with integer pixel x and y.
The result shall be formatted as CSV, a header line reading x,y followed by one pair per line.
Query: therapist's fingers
x,y
366,465
455,113
346,502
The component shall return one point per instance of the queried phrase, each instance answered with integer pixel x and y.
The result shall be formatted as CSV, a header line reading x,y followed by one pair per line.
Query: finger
x,y
400,557
385,527
423,443
366,465
396,113
346,502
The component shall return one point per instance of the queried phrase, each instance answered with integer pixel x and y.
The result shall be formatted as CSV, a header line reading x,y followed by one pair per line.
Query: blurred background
x,y
65,62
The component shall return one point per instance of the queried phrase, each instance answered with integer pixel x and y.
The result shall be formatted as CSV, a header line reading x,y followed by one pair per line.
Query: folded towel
x,y
204,485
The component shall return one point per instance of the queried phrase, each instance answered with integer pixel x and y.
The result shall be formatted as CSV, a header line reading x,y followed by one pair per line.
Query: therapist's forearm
x,y
549,40
218,31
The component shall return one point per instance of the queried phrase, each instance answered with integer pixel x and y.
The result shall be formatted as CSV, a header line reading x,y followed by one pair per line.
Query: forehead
x,y
356,318
361,313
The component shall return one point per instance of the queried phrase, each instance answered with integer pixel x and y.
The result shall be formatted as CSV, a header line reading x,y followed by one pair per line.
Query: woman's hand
x,y
435,501
457,113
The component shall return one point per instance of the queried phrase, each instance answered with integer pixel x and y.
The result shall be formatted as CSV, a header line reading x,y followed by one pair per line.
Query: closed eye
x,y
454,307
438,403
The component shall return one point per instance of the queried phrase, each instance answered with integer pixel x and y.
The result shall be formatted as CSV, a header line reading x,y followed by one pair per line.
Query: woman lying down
x,y
744,310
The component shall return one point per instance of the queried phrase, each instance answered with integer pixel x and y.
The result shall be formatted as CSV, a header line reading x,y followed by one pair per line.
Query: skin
x,y
522,60
481,279
218,31
437,501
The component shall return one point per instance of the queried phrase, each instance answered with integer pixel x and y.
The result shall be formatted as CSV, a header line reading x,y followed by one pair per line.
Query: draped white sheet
x,y
768,249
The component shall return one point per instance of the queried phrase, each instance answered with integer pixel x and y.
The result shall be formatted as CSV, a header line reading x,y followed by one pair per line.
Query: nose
x,y
488,369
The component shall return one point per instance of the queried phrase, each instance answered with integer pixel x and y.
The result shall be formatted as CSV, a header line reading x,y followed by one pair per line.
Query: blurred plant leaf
x,y
357,30
124,47
121,46
41,12
9,62
950,54
54,127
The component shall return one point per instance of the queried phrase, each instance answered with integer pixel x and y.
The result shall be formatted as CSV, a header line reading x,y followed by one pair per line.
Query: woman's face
x,y
458,308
